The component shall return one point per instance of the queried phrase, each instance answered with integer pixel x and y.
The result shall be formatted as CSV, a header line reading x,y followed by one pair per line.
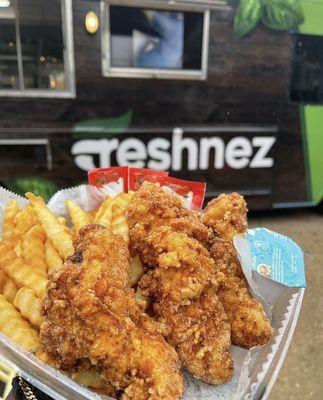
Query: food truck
x,y
167,85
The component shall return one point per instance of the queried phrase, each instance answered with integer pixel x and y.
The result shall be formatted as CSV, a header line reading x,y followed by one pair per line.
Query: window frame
x,y
153,73
68,55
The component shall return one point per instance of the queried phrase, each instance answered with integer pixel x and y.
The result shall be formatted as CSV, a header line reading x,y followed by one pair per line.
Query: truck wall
x,y
247,84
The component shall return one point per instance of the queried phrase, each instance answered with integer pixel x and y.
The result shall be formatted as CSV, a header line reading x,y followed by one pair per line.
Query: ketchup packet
x,y
193,193
116,178
137,176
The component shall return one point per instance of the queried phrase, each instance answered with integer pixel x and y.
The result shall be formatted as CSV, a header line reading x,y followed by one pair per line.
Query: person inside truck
x,y
167,50
156,39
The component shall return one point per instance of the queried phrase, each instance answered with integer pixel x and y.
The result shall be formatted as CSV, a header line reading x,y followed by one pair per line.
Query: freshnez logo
x,y
164,154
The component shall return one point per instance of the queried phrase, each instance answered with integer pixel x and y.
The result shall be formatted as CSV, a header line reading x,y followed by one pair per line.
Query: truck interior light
x,y
91,22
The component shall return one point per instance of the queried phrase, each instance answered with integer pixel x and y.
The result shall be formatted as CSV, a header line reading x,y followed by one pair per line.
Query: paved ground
x,y
301,376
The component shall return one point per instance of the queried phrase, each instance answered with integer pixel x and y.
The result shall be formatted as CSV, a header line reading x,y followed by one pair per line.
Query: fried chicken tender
x,y
92,319
181,281
227,216
152,207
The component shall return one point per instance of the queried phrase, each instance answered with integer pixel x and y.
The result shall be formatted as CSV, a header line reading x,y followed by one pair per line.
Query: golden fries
x,y
91,215
29,306
17,246
8,221
9,290
36,243
104,213
2,280
53,259
24,220
33,249
79,217
62,221
137,270
122,200
90,378
62,241
119,223
21,273
109,206
13,325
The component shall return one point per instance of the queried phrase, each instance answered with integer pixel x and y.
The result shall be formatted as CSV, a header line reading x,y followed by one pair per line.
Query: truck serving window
x,y
154,42
307,71
36,49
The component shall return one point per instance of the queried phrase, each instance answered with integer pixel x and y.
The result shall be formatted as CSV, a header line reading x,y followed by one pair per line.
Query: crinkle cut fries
x,y
34,243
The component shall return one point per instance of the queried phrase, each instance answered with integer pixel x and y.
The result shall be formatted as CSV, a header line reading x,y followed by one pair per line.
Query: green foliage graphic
x,y
39,186
102,127
282,14
275,14
247,16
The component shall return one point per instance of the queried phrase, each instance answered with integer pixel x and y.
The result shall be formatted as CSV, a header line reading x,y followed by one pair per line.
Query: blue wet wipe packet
x,y
276,257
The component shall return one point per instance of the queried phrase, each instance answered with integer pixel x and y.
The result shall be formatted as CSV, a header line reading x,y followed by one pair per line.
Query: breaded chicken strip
x,y
181,281
151,207
227,216
92,318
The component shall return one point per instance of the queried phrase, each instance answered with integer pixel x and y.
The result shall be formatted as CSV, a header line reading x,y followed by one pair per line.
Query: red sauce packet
x,y
115,177
192,192
137,176
122,179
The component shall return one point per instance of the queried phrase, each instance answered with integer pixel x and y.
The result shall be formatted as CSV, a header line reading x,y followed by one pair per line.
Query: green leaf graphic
x,y
102,127
247,16
39,186
282,14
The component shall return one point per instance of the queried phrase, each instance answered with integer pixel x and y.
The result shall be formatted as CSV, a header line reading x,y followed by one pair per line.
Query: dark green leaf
x,y
39,186
247,16
282,14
